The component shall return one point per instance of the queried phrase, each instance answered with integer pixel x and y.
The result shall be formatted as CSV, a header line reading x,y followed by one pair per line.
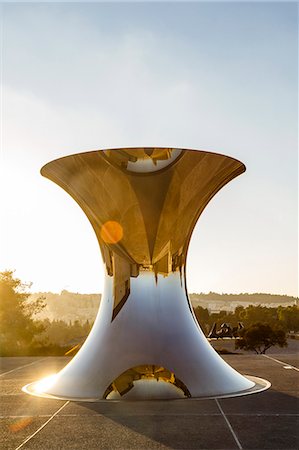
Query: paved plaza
x,y
269,420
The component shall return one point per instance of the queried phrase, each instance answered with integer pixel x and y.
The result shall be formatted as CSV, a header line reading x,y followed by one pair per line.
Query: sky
x,y
219,77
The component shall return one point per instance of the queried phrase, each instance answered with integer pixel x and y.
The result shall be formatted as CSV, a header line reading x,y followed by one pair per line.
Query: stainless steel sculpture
x,y
143,204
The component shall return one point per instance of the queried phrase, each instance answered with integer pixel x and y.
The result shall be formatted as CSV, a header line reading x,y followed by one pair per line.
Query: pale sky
x,y
215,76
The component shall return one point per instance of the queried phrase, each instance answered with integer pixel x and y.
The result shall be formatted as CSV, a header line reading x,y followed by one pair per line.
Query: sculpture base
x,y
146,390
156,324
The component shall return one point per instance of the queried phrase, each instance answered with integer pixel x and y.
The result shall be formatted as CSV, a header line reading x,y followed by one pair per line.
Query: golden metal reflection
x,y
125,382
143,204
73,350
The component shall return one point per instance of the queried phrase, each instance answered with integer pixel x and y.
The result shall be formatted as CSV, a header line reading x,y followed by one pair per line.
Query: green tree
x,y
289,317
202,316
258,314
259,337
63,334
19,331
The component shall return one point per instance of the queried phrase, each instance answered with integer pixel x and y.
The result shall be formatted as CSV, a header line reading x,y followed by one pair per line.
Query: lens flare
x,y
20,424
111,232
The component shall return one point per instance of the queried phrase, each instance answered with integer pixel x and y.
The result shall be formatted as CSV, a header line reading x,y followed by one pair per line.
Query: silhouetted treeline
x,y
23,332
285,317
69,305
65,334
60,337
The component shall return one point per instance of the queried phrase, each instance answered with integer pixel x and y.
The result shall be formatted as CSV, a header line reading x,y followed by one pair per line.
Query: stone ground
x,y
268,420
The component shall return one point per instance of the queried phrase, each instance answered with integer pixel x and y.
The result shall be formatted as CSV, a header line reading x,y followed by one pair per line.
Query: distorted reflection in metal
x,y
143,204
125,382
147,160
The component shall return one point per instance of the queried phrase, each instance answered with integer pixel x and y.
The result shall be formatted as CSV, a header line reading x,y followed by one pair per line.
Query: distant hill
x,y
70,306
258,298
228,302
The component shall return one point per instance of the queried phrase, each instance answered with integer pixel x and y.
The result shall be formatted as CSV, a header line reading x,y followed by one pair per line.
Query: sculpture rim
x,y
260,385
103,149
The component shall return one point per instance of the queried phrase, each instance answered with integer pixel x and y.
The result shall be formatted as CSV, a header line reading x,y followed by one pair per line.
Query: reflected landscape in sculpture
x,y
143,204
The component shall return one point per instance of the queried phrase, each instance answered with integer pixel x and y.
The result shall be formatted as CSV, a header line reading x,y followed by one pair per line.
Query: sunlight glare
x,y
43,385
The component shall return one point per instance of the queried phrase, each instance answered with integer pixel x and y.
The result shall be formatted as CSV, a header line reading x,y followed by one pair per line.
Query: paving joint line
x,y
229,426
281,362
152,414
42,426
21,367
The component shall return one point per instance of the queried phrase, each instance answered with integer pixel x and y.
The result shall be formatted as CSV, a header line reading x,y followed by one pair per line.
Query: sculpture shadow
x,y
265,420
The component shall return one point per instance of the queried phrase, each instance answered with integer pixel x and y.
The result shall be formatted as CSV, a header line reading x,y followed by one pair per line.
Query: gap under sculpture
x,y
143,204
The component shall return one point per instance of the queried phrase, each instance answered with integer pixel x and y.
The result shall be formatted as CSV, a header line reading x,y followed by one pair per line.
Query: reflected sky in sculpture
x,y
217,76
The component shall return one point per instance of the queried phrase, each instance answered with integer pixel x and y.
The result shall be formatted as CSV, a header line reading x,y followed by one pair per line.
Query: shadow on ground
x,y
266,420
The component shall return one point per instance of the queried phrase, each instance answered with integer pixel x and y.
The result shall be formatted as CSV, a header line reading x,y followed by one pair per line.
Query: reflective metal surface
x,y
143,205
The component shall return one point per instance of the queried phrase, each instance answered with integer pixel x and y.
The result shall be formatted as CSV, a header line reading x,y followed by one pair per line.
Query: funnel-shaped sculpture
x,y
143,204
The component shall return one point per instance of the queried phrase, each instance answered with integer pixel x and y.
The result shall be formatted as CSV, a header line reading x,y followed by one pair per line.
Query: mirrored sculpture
x,y
143,204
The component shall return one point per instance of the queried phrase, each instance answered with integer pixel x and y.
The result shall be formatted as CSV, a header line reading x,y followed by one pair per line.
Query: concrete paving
x,y
269,420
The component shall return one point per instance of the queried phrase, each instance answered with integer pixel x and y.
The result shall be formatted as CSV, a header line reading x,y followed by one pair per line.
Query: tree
x,y
258,314
289,317
202,316
18,329
259,337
